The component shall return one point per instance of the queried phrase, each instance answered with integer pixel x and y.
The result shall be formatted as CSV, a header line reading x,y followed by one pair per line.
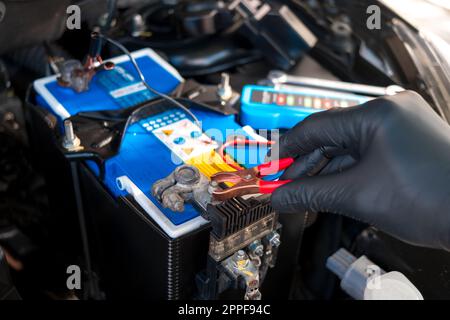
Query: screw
x,y
240,255
276,76
68,127
257,248
138,25
213,185
240,259
274,239
70,141
224,90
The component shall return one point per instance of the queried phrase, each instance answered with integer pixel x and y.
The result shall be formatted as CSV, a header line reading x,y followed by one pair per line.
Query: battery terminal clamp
x,y
185,183
77,76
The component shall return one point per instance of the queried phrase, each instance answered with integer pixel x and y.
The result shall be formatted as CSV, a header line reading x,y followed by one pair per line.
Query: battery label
x,y
133,88
123,87
185,139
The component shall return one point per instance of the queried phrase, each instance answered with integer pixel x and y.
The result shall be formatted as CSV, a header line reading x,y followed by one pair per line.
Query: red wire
x,y
239,142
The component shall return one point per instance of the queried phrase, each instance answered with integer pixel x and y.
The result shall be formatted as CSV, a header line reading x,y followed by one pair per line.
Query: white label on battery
x,y
185,139
133,88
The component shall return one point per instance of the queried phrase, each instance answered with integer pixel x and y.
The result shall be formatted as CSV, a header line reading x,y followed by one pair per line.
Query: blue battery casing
x,y
264,107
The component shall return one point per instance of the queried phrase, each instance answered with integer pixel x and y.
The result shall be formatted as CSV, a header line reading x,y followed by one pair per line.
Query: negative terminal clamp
x,y
184,184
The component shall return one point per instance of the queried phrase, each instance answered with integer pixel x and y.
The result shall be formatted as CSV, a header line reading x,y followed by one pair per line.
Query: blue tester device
x,y
264,107
147,152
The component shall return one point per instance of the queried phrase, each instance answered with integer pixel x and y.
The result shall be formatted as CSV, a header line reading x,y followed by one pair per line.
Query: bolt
x,y
213,185
240,255
70,141
240,259
224,90
138,25
276,76
257,248
274,239
68,127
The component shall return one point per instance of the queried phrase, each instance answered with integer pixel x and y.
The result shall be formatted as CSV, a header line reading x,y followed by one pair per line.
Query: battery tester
x,y
266,107
286,99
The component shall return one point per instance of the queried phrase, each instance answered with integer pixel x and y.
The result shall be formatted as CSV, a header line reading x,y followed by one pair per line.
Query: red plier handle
x,y
249,181
275,166
270,186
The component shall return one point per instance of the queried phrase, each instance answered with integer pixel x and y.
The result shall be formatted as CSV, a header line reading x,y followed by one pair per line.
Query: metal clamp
x,y
184,184
239,265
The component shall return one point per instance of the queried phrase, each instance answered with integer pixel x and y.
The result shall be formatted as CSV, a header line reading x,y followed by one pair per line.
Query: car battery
x,y
139,248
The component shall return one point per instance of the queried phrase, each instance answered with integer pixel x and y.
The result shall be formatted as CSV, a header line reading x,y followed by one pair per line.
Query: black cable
x,y
93,290
142,77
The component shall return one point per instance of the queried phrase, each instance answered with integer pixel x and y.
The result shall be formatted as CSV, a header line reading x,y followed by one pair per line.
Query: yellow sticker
x,y
188,151
210,163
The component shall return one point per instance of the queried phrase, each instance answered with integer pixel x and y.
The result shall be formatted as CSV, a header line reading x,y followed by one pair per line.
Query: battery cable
x,y
142,77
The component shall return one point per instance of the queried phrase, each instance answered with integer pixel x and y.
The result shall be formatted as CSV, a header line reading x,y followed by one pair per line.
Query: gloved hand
x,y
391,168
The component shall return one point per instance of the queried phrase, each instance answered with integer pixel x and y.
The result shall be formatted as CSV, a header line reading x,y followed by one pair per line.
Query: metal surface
x,y
256,248
274,239
76,76
224,90
239,265
248,181
184,184
220,249
71,142
245,182
279,79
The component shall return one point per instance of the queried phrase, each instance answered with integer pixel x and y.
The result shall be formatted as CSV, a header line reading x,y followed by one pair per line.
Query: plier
x,y
248,181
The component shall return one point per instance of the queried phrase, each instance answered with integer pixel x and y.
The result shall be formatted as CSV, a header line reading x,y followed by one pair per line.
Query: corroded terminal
x,y
185,183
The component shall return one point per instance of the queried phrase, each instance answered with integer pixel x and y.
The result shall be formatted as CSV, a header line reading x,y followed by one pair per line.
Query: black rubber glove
x,y
391,168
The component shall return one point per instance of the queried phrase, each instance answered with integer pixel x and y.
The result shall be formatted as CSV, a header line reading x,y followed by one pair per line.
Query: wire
x,y
142,77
